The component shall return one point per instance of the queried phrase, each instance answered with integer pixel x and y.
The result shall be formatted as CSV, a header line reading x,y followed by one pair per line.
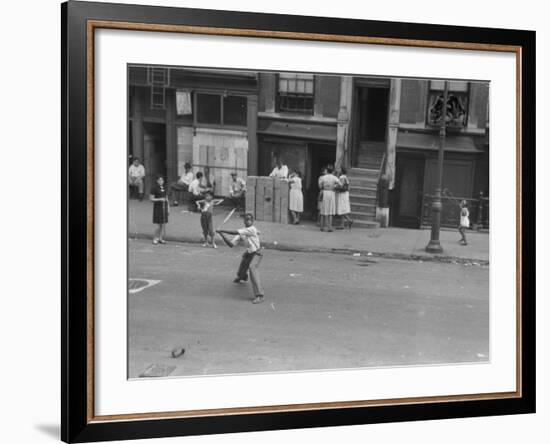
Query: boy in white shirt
x,y
249,236
196,192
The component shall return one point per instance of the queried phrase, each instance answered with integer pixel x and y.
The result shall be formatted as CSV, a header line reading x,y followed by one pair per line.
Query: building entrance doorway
x,y
154,152
409,186
371,128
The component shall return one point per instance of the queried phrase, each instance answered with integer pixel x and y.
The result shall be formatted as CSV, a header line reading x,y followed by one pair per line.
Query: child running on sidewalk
x,y
249,235
464,221
206,207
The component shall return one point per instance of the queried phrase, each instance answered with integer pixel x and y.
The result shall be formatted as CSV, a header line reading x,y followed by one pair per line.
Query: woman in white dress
x,y
327,184
296,198
342,200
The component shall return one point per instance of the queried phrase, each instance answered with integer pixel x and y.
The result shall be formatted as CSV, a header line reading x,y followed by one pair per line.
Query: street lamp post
x,y
434,246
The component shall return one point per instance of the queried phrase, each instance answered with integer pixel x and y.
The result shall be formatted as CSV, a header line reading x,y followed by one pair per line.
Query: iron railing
x,y
450,212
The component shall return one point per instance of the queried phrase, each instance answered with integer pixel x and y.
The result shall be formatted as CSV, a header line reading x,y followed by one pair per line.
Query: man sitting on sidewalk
x,y
237,191
181,187
136,176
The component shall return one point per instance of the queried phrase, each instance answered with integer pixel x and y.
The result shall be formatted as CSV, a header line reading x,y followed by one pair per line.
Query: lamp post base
x,y
434,247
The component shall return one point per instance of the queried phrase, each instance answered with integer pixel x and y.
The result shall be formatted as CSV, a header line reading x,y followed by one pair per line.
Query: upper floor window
x,y
457,104
221,109
295,93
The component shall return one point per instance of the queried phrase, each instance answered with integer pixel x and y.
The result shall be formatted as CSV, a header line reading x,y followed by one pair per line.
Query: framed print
x,y
275,222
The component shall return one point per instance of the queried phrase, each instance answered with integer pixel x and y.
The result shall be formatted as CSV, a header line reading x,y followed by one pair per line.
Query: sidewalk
x,y
399,243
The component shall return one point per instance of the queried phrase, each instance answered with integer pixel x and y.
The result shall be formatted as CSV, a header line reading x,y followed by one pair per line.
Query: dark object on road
x,y
177,352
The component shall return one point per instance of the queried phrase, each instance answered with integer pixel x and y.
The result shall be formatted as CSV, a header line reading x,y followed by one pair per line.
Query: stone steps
x,y
364,187
363,217
363,198
364,208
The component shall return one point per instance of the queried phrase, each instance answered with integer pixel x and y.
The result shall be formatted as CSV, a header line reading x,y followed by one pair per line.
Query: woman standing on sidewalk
x,y
327,184
296,198
319,198
342,200
161,208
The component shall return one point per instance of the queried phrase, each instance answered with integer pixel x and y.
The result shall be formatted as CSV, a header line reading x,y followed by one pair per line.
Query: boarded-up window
x,y
183,103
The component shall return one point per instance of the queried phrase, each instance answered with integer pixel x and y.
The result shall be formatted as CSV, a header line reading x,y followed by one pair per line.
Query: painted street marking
x,y
137,285
157,371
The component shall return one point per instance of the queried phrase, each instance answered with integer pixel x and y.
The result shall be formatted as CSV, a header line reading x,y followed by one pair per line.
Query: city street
x,y
322,311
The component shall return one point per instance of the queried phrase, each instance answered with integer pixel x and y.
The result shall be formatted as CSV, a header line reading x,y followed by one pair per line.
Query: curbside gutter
x,y
440,258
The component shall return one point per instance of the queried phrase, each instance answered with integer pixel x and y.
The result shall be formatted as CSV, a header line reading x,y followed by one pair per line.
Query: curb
x,y
343,251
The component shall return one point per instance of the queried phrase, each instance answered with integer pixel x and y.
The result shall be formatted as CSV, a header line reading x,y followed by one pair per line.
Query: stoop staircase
x,y
364,184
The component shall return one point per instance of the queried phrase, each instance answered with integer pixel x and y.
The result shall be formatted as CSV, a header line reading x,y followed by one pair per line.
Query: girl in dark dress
x,y
161,209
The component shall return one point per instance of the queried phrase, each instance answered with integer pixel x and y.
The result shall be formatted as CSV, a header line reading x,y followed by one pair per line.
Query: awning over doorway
x,y
309,131
422,141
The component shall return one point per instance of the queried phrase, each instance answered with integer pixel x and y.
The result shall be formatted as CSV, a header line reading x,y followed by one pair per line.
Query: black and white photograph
x,y
299,221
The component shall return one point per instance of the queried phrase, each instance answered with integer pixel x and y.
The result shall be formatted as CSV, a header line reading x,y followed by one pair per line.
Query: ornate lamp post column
x,y
434,246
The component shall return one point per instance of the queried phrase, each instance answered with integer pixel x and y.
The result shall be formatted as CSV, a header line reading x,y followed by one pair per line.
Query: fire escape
x,y
158,79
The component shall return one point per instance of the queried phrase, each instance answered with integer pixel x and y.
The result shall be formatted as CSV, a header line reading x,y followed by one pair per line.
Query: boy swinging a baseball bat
x,y
252,257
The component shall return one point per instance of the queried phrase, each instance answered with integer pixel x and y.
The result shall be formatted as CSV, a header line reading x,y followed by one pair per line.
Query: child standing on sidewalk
x,y
249,235
464,221
161,208
206,207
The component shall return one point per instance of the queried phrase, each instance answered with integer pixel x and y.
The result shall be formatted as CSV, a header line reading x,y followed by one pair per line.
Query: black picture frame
x,y
77,425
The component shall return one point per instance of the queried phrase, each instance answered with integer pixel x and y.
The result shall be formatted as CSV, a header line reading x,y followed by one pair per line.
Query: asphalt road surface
x,y
321,311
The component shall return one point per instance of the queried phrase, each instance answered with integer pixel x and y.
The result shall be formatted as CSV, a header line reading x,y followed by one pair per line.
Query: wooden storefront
x,y
202,117
465,176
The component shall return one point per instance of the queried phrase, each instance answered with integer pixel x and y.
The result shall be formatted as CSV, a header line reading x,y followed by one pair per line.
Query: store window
x,y
221,109
295,93
457,104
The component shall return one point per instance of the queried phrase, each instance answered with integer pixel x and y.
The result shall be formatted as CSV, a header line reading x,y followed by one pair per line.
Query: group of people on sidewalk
x,y
190,187
194,187
333,197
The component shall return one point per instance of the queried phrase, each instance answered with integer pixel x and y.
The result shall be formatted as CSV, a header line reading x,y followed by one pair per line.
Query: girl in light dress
x,y
464,221
327,184
342,201
296,198
320,197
